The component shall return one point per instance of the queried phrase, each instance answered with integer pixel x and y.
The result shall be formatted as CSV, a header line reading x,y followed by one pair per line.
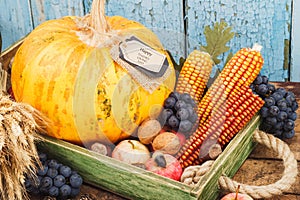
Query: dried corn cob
x,y
227,106
194,74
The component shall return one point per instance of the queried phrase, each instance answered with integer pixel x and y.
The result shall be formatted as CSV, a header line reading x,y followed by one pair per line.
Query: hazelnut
x,y
148,130
167,143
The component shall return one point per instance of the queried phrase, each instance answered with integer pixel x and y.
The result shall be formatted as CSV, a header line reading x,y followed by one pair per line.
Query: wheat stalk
x,y
19,128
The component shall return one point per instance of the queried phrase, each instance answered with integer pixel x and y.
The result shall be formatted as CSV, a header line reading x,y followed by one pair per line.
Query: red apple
x,y
132,152
236,196
165,165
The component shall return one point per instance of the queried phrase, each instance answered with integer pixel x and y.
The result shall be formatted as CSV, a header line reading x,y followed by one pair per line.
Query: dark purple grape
x,y
53,164
269,101
186,98
176,95
258,80
282,116
262,89
65,171
42,157
293,116
274,111
43,170
185,126
182,114
59,180
265,79
295,106
65,190
271,121
277,96
290,99
46,182
276,133
160,160
165,115
52,172
282,91
279,126
289,111
264,112
282,104
180,104
173,121
76,180
271,88
289,134
289,125
53,191
193,118
169,102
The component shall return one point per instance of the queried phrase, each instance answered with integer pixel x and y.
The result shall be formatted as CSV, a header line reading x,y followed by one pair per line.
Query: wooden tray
x,y
135,183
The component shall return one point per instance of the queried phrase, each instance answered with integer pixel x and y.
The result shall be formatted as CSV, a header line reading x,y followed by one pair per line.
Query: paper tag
x,y
143,57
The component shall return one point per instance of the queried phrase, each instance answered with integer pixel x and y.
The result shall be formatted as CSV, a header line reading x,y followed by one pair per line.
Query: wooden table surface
x,y
260,168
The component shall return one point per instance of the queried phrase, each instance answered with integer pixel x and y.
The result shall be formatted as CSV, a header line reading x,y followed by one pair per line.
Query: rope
x,y
191,174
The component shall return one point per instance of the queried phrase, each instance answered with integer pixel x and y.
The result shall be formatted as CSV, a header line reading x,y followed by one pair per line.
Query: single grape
x,y
289,125
43,170
271,121
264,112
290,99
65,171
165,115
258,80
282,91
42,157
173,121
52,172
193,118
65,190
182,114
274,111
282,104
175,94
271,88
262,89
185,126
59,180
180,104
53,164
293,116
277,96
169,102
53,191
295,106
289,134
269,101
186,98
282,116
265,79
46,182
76,180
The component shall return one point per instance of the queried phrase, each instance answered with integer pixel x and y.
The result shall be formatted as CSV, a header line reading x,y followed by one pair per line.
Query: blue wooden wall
x,y
179,24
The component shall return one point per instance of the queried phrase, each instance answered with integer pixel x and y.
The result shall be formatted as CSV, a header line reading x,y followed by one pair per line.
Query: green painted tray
x,y
135,183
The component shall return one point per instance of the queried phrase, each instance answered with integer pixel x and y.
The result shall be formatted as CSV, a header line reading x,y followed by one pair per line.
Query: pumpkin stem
x,y
98,20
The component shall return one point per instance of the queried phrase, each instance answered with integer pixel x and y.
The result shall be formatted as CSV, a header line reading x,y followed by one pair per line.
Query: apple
x,y
236,196
165,165
131,152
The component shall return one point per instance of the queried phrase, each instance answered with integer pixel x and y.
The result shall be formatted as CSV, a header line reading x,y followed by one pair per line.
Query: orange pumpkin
x,y
64,69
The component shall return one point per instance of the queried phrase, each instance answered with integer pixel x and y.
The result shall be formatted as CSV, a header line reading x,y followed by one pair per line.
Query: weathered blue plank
x,y
295,44
53,9
265,22
15,21
165,18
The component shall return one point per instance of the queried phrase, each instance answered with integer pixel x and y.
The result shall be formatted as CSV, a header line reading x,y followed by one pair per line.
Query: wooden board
x,y
264,22
295,45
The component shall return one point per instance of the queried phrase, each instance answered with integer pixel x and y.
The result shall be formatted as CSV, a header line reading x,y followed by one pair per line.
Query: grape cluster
x,y
279,111
179,113
54,179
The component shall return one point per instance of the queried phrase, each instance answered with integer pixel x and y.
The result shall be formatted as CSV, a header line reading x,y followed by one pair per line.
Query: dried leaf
x,y
216,40
177,66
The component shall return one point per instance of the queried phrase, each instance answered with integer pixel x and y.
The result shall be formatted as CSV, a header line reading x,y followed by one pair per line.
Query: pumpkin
x,y
65,69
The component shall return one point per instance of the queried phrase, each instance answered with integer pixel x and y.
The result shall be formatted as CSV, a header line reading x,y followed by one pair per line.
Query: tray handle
x,y
257,192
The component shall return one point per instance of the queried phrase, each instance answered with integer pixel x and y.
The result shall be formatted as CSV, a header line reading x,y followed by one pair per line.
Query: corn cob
x,y
227,106
194,74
